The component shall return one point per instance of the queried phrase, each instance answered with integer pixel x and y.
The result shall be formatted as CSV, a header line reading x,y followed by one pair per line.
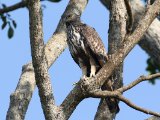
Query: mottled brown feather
x,y
95,43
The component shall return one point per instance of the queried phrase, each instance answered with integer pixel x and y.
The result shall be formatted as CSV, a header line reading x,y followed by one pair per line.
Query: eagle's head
x,y
71,18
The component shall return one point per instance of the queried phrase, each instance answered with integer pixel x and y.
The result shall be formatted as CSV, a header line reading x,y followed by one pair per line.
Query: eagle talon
x,y
84,77
92,75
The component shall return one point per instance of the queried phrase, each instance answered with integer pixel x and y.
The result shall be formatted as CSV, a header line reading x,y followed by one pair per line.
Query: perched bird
x,y
85,45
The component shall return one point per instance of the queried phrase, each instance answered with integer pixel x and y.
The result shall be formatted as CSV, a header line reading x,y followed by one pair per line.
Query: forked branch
x,y
13,7
139,80
118,57
118,94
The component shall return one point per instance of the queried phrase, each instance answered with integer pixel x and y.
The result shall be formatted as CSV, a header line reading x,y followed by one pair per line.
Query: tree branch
x,y
140,79
102,94
72,100
150,41
117,32
13,7
115,94
39,60
129,103
117,58
54,47
118,94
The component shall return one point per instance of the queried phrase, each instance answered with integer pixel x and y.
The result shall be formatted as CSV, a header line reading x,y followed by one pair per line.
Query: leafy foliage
x,y
152,68
8,21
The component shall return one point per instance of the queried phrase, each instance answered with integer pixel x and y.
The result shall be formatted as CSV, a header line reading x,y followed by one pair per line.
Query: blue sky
x,y
64,72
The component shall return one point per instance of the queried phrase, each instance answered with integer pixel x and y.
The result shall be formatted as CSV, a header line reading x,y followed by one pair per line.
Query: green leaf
x,y
152,68
14,23
54,0
4,6
4,25
10,32
3,18
153,82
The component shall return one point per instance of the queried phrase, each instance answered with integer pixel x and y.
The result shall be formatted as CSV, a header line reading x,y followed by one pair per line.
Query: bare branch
x,y
118,94
129,43
117,32
129,103
102,94
54,47
140,79
150,42
14,7
39,60
118,57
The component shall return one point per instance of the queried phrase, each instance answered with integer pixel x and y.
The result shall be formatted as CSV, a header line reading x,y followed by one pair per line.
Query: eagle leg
x,y
84,70
93,67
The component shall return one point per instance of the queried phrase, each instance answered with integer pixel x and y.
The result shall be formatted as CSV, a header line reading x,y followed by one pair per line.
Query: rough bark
x,y
117,32
118,94
128,44
13,7
91,85
39,60
20,98
51,51
150,42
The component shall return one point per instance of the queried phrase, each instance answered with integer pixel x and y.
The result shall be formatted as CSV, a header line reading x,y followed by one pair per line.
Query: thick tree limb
x,y
54,43
54,47
19,100
128,44
88,85
13,7
118,57
72,100
117,32
39,60
150,41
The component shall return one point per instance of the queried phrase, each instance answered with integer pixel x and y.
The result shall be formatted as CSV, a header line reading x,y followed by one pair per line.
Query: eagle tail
x,y
111,102
112,105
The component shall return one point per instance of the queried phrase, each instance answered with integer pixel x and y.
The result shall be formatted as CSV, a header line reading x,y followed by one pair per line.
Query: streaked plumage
x,y
85,45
